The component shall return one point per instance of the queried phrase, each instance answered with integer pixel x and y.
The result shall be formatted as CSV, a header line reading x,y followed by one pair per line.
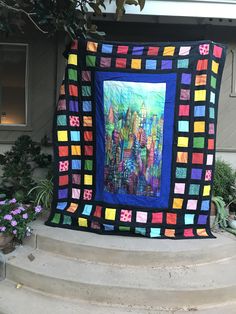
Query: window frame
x,y
26,126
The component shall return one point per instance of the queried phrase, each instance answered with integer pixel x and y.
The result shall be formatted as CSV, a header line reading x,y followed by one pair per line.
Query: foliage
x,y
18,166
50,16
222,216
43,193
224,181
15,218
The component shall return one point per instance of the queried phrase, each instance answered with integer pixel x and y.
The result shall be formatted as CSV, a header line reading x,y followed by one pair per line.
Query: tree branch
x,y
4,5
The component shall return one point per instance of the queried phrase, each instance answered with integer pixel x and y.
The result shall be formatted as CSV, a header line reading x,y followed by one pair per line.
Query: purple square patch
x,y
63,193
196,174
138,51
73,106
202,219
166,64
186,78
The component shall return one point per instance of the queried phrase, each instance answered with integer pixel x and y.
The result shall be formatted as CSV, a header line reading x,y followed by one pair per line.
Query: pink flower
x,y
25,216
14,232
13,223
13,201
3,228
7,217
38,209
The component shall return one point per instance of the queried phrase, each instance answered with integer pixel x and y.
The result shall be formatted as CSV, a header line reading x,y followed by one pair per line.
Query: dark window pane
x,y
12,84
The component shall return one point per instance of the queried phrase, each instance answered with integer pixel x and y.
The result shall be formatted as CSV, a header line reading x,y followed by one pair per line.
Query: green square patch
x,y
183,63
61,120
123,228
88,165
194,189
198,142
213,82
56,218
86,91
90,61
72,74
181,173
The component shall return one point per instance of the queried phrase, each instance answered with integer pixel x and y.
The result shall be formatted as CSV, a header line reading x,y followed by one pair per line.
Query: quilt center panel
x,y
134,116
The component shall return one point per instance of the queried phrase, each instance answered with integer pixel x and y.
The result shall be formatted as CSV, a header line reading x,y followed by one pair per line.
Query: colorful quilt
x,y
134,138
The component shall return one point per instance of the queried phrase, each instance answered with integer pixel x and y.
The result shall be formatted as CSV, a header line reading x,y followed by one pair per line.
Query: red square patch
x,y
197,158
153,51
184,110
63,180
122,49
171,219
63,151
188,233
211,143
98,211
121,63
157,218
88,136
202,65
88,150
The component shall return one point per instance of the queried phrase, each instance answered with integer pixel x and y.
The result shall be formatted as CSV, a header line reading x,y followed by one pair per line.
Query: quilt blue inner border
x,y
129,199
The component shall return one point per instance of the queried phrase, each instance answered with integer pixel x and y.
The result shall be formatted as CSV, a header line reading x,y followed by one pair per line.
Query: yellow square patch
x,y
62,136
199,127
169,51
88,179
200,95
206,190
92,46
214,67
177,203
183,141
72,59
83,222
110,214
75,150
136,63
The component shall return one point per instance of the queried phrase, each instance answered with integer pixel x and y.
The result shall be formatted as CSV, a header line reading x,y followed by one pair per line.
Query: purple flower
x,y
25,216
16,211
14,232
38,209
2,202
3,228
21,208
13,223
7,217
13,201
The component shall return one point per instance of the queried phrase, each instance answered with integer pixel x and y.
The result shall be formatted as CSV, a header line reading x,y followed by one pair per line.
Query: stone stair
x,y
78,272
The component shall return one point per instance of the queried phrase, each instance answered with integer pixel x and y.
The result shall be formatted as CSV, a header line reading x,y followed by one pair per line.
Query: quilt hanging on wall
x,y
134,138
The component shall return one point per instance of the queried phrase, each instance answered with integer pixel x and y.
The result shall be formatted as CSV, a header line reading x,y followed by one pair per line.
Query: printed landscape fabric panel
x,y
134,138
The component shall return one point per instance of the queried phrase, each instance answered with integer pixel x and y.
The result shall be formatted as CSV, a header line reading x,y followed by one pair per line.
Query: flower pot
x,y
5,239
6,243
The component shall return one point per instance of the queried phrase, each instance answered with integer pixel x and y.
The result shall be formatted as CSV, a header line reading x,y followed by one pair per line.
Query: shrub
x,y
224,181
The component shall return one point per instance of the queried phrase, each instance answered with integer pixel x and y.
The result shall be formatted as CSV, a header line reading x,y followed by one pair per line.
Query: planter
x,y
6,243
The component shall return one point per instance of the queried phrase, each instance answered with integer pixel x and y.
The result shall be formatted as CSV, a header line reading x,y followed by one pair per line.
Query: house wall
x,y
46,68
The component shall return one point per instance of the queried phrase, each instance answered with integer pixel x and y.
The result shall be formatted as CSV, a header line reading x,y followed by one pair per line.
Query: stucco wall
x,y
46,67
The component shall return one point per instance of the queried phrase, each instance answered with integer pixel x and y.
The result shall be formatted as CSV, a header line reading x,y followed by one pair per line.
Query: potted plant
x,y
14,221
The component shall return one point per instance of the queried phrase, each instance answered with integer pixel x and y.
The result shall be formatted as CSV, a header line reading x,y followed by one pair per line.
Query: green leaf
x,y
141,4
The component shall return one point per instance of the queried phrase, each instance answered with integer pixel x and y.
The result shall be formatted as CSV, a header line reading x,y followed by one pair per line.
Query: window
x,y
13,84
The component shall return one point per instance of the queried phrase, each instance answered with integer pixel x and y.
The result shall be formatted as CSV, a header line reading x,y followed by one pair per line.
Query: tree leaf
x,y
141,4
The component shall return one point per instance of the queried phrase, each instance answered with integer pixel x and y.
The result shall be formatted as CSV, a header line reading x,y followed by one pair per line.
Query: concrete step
x,y
159,286
131,251
28,301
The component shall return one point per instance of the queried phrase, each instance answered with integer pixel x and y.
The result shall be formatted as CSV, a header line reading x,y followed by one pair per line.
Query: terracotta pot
x,y
5,240
213,209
